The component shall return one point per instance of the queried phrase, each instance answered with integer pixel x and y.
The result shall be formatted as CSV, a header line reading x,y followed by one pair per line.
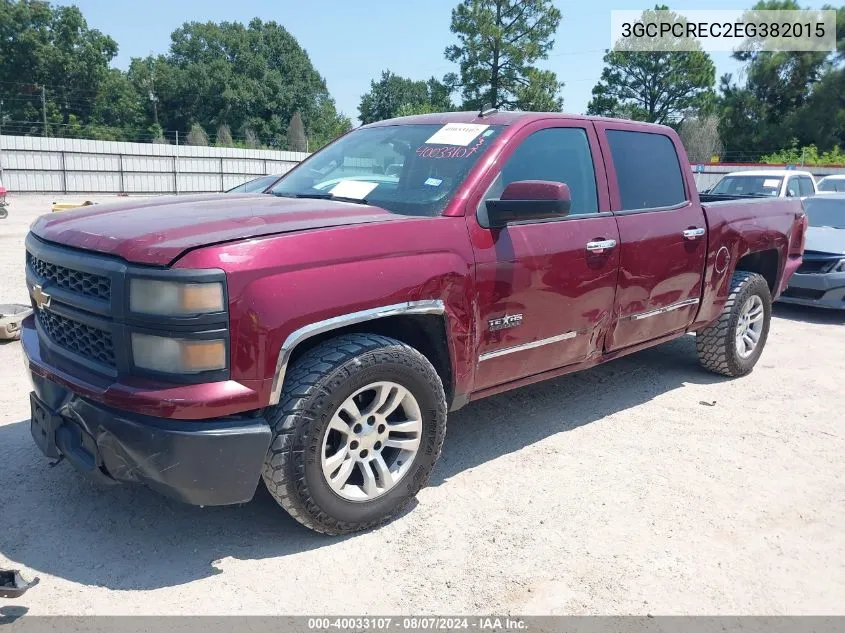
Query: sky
x,y
351,43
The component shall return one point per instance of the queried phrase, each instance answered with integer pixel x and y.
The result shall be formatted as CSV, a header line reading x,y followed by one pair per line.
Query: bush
x,y
197,136
807,155
224,136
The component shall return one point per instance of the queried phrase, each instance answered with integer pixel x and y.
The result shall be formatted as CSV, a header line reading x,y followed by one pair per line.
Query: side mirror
x,y
790,193
529,200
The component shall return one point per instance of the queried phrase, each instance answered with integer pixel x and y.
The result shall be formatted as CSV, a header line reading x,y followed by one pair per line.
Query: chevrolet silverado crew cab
x,y
316,338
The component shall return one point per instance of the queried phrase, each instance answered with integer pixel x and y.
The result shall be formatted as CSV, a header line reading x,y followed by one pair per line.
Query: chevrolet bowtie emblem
x,y
41,298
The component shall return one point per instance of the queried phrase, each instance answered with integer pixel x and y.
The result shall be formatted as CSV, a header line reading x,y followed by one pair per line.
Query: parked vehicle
x,y
820,281
67,206
256,185
3,204
316,338
832,184
769,183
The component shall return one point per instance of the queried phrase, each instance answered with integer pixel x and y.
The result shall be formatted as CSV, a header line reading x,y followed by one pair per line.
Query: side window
x,y
559,154
647,169
806,186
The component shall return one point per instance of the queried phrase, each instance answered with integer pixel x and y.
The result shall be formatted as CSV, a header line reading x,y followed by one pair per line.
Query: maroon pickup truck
x,y
317,337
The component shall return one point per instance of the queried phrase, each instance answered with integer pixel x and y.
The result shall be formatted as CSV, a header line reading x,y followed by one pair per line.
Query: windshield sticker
x,y
433,182
771,182
456,134
423,151
357,189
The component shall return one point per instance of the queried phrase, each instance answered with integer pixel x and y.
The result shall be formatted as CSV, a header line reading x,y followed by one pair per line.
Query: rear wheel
x,y
733,344
357,431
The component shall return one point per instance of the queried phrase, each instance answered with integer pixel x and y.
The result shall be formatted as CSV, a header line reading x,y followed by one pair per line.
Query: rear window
x,y
647,170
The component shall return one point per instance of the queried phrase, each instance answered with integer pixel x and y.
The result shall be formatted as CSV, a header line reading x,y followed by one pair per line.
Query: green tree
x,y
392,94
787,95
655,86
250,77
499,42
42,45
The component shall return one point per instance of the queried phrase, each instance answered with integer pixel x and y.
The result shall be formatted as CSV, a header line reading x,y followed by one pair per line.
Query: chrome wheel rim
x,y
371,441
749,327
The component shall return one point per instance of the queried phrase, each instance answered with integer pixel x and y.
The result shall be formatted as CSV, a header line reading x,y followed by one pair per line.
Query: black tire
x,y
716,344
315,386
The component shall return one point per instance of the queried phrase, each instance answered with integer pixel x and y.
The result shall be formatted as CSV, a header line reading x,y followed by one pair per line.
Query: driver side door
x,y
545,292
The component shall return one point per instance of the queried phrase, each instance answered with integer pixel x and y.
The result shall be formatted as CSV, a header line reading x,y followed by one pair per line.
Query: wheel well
x,y
424,332
764,263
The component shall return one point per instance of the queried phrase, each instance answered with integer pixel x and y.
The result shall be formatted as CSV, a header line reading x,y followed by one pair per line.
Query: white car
x,y
832,184
774,183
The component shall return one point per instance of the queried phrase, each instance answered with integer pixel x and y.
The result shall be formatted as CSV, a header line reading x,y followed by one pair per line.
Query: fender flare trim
x,y
432,306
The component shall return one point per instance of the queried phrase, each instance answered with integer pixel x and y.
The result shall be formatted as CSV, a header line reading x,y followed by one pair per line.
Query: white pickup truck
x,y
770,183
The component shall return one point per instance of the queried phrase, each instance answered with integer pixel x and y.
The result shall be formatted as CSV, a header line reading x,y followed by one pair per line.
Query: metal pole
x,y
64,174
122,185
176,166
1,141
44,108
222,185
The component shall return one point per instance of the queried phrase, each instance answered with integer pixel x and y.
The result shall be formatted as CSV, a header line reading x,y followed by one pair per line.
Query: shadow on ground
x,y
128,538
807,314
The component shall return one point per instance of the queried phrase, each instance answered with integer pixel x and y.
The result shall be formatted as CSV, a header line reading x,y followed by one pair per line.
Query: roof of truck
x,y
498,118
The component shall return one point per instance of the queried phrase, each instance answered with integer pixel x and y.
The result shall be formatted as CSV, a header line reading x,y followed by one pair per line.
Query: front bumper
x,y
210,462
820,290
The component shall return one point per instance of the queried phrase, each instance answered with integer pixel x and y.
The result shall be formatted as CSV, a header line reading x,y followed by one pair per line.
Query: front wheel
x,y
357,431
732,345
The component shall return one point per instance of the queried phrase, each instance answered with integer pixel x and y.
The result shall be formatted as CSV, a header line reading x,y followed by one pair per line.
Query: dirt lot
x,y
618,490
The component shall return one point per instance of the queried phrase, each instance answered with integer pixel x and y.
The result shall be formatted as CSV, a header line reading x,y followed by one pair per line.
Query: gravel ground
x,y
644,486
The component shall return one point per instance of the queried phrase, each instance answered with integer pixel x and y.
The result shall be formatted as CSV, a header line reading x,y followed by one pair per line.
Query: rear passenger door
x,y
545,287
663,234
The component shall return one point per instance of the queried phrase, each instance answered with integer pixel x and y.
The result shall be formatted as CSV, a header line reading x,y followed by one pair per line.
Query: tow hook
x,y
12,584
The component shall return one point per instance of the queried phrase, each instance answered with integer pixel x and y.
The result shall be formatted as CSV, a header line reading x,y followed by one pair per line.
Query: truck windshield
x,y
826,211
748,186
832,184
404,169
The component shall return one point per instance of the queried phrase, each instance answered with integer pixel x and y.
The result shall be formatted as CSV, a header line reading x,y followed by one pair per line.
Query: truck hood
x,y
158,230
825,239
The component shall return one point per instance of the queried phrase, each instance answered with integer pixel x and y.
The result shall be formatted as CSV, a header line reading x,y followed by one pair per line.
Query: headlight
x,y
173,298
178,355
839,267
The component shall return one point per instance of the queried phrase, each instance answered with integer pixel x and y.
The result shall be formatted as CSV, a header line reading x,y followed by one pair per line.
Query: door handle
x,y
692,234
600,246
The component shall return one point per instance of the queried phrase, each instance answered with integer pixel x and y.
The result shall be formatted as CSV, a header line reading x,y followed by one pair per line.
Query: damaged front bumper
x,y
200,462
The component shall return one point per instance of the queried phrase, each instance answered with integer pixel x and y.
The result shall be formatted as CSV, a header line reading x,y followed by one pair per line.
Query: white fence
x,y
30,164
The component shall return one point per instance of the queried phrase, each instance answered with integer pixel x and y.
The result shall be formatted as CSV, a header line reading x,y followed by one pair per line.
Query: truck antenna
x,y
486,110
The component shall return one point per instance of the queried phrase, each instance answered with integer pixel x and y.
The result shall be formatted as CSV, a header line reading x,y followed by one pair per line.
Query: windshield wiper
x,y
322,196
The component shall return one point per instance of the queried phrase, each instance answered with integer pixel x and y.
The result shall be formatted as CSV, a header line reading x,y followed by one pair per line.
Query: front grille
x,y
803,293
85,340
816,266
87,284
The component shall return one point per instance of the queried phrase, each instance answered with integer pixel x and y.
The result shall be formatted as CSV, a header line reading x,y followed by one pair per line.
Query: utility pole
x,y
154,99
44,108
